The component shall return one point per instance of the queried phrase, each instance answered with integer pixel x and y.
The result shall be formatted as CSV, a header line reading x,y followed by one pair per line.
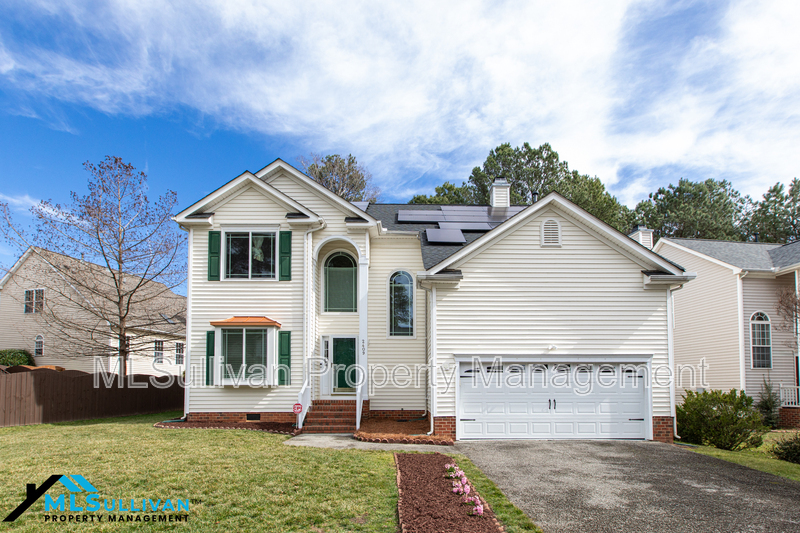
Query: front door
x,y
344,360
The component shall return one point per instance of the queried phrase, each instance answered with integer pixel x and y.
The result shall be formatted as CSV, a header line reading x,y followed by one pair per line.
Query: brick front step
x,y
329,429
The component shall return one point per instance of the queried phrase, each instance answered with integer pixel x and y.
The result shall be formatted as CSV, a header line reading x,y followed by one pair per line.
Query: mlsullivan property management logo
x,y
84,497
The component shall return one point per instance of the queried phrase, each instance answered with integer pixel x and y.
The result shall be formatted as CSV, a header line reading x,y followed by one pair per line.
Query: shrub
x,y
788,449
725,420
769,403
16,357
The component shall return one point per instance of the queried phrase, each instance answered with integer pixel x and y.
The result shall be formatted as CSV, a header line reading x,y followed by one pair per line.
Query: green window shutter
x,y
284,357
209,358
214,245
285,255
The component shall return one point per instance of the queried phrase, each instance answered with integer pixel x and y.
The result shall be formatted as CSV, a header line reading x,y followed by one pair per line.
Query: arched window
x,y
551,233
38,346
341,283
401,305
760,341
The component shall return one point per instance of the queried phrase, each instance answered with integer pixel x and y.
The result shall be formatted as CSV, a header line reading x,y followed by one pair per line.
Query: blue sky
x,y
637,93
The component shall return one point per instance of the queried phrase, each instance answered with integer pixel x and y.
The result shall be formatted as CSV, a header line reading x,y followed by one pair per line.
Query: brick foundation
x,y
789,417
394,414
241,417
663,430
444,426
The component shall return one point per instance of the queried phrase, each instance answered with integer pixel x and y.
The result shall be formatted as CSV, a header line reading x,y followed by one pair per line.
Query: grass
x,y
758,458
235,480
514,520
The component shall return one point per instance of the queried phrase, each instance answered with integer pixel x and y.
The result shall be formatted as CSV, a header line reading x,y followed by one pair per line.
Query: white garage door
x,y
553,401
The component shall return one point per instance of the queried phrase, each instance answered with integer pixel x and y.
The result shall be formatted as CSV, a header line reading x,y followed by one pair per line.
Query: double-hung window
x,y
179,347
761,340
250,254
34,301
244,353
38,346
158,352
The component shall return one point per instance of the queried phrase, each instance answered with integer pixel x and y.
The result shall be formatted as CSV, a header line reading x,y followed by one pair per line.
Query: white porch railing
x,y
304,399
359,404
790,396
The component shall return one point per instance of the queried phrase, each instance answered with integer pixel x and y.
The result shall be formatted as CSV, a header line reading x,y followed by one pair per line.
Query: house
x,y
728,317
43,312
362,310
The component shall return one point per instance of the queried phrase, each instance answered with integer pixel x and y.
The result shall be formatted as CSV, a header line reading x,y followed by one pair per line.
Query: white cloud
x,y
405,86
21,202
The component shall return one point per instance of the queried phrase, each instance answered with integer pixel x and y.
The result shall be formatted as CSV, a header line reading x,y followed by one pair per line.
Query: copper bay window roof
x,y
246,321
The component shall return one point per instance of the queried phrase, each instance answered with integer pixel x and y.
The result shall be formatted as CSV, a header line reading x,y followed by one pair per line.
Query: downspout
x,y
671,356
740,312
307,294
433,356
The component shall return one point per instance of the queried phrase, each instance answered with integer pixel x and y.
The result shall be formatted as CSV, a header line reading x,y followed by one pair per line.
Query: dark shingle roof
x,y
746,255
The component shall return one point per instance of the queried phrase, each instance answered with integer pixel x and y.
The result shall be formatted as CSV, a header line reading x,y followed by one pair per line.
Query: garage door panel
x,y
536,410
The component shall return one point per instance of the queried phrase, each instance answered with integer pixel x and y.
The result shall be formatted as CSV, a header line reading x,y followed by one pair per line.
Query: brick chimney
x,y
642,235
500,192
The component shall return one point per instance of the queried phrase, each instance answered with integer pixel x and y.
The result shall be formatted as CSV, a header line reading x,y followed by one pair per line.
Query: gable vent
x,y
551,233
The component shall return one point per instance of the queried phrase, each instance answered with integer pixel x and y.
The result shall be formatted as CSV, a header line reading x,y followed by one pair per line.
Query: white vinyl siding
x,y
706,323
760,294
518,299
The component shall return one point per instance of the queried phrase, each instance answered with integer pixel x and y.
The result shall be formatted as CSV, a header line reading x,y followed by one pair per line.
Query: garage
x,y
566,400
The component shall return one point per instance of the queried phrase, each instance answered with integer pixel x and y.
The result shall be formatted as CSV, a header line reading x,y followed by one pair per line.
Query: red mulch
x,y
395,432
284,428
427,503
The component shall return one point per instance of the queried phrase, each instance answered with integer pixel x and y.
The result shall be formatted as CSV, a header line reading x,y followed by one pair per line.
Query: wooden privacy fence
x,y
44,396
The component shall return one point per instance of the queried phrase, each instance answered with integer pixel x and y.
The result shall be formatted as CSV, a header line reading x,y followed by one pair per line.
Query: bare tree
x,y
788,309
131,257
345,177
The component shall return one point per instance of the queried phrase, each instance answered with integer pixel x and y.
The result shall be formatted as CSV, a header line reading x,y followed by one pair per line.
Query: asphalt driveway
x,y
620,486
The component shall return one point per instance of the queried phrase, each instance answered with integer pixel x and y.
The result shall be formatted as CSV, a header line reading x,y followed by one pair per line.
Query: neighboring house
x,y
728,316
40,311
287,276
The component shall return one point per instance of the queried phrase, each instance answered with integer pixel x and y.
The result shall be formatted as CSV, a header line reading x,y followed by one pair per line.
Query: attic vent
x,y
551,233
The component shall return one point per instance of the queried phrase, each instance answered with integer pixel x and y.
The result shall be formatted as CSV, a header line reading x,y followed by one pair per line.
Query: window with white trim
x,y
551,233
34,301
38,346
760,340
179,348
401,305
341,283
158,351
244,352
250,254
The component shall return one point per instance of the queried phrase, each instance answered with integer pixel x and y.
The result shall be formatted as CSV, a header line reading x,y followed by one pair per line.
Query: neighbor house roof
x,y
746,255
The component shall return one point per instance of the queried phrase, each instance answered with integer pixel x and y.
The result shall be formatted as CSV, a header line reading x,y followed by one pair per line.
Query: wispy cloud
x,y
638,93
20,202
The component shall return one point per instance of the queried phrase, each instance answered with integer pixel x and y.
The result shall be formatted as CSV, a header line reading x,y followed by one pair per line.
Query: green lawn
x,y
236,480
759,458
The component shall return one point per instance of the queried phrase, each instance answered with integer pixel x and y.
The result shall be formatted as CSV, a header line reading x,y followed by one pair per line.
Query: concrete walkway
x,y
634,486
338,441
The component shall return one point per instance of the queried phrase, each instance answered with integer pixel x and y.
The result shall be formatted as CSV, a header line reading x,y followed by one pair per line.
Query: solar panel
x,y
447,236
408,215
464,209
466,226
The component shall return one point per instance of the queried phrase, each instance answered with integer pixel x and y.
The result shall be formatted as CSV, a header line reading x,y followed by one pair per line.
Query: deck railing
x,y
359,404
790,396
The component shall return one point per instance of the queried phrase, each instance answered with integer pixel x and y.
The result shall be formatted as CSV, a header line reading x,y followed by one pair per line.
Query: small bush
x,y
14,357
788,449
725,420
769,403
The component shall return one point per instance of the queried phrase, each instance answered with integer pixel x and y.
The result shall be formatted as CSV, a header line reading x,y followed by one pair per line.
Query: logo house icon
x,y
73,483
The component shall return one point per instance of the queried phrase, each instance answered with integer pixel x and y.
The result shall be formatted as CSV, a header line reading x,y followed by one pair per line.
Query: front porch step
x,y
331,416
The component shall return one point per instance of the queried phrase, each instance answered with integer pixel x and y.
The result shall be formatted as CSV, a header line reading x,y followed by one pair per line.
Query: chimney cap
x,y
500,180
640,227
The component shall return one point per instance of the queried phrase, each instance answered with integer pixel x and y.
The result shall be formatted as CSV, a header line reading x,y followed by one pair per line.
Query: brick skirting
x,y
241,417
789,417
663,430
444,426
395,414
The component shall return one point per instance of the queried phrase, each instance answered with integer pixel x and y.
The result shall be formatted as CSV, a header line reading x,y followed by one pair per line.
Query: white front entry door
x,y
552,401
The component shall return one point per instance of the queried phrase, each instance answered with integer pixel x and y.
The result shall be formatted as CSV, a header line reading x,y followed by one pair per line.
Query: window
x,y
158,352
178,353
250,255
551,233
760,341
340,283
401,305
34,301
243,348
38,346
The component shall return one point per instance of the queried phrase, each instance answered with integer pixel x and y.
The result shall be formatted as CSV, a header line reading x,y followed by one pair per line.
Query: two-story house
x,y
494,321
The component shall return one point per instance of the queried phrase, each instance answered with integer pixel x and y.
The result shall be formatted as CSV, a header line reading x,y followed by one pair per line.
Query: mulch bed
x,y
395,432
284,428
426,502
